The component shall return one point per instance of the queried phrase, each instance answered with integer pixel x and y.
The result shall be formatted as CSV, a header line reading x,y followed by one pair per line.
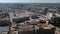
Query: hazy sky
x,y
29,1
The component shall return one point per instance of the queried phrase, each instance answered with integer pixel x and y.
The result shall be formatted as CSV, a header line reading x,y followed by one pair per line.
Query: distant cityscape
x,y
29,18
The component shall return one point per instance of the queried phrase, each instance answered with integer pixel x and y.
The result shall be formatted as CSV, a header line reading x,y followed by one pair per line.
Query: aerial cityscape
x,y
29,18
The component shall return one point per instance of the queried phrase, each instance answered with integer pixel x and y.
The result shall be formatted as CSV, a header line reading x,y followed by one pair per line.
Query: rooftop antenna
x,y
10,15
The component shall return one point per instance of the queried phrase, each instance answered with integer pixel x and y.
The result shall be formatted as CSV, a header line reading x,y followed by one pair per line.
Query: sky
x,y
29,1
